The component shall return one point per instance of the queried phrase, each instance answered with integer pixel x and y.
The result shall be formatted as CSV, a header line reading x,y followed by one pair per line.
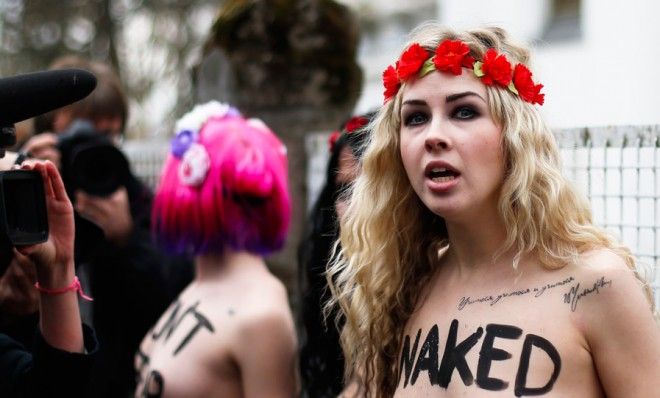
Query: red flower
x,y
332,140
528,91
355,123
411,61
451,56
391,82
496,69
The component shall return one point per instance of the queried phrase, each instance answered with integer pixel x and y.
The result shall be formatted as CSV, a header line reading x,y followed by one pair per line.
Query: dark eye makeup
x,y
417,112
414,118
464,112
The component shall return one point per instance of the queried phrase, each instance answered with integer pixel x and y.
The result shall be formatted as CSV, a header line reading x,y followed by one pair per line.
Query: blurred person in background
x,y
321,359
224,198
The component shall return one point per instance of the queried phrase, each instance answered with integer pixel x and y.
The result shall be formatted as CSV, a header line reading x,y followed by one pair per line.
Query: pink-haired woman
x,y
223,197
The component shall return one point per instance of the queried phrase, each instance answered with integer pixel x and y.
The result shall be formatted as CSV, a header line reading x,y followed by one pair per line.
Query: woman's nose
x,y
437,138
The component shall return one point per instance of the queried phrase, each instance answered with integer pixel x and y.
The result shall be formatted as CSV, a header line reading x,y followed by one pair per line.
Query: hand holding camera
x,y
22,206
37,221
36,216
53,258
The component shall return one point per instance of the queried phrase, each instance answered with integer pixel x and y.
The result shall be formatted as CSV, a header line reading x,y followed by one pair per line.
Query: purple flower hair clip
x,y
182,141
184,146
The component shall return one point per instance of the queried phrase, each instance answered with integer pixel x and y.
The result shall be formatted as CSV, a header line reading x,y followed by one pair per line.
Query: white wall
x,y
609,76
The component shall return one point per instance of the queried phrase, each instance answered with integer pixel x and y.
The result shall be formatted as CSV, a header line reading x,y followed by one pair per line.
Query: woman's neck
x,y
213,266
474,244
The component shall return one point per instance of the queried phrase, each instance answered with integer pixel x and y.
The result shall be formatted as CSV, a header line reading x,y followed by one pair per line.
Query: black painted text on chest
x,y
441,368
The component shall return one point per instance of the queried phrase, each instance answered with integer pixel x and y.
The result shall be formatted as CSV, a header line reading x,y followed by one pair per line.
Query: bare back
x,y
544,333
226,338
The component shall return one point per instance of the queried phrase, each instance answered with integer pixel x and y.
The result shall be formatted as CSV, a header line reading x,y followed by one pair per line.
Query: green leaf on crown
x,y
512,88
477,69
427,68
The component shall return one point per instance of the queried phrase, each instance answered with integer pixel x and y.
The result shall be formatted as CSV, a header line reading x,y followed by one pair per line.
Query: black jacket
x,y
47,371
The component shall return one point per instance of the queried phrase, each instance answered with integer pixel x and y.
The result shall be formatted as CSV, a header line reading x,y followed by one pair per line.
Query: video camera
x,y
23,216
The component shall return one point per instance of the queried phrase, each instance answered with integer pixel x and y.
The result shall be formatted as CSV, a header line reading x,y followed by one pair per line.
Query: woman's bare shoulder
x,y
606,286
601,266
264,300
616,312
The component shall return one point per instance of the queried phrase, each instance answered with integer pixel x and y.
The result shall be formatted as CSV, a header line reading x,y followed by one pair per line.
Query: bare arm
x,y
59,314
623,335
266,355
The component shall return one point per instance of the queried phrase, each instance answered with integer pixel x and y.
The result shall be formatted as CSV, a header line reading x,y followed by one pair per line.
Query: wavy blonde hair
x,y
389,240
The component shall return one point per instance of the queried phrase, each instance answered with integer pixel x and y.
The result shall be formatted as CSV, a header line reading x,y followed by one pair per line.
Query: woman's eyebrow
x,y
456,97
413,102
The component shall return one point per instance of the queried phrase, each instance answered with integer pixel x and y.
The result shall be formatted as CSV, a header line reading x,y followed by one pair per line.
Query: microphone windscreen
x,y
32,94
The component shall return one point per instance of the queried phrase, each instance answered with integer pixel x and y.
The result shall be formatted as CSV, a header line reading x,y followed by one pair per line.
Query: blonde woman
x,y
468,265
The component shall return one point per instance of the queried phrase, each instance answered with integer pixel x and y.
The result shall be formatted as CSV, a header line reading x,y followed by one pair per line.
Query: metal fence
x,y
147,158
618,168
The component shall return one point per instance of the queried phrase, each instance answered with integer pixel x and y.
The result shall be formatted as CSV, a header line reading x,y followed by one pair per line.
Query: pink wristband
x,y
74,286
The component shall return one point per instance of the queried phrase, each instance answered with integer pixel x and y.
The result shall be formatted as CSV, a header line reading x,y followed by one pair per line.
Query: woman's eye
x,y
464,112
415,119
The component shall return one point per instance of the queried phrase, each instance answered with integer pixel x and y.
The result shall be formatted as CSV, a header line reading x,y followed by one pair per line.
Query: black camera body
x,y
90,161
23,217
23,214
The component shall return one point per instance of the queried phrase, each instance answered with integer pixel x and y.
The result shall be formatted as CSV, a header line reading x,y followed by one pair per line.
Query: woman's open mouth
x,y
441,174
441,177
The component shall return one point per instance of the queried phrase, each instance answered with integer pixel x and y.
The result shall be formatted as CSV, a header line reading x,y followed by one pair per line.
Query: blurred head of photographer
x,y
106,107
82,138
105,110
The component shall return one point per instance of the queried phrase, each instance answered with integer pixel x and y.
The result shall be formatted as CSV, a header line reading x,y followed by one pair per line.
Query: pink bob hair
x,y
240,198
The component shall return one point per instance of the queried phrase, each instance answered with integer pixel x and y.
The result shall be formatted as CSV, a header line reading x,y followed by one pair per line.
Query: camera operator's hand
x,y
59,313
112,214
43,146
17,293
54,256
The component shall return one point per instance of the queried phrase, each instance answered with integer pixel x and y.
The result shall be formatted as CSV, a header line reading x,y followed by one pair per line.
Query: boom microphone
x,y
32,94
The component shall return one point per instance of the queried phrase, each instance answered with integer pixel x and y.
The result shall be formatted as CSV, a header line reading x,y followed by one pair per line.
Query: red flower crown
x,y
355,123
452,56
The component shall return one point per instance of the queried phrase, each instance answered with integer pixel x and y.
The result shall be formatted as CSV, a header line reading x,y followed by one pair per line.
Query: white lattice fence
x,y
619,170
147,158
